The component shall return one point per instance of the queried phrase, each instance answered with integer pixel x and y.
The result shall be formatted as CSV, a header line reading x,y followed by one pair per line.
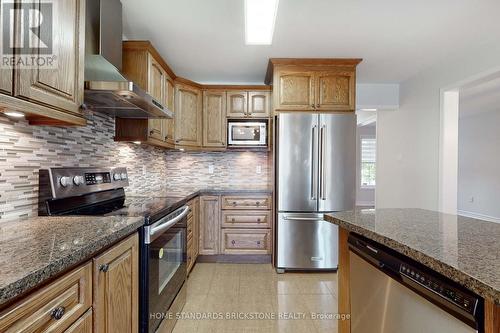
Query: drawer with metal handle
x,y
259,202
53,308
246,219
246,241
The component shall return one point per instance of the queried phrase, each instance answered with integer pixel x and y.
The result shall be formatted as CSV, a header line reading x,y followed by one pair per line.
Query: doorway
x,y
366,153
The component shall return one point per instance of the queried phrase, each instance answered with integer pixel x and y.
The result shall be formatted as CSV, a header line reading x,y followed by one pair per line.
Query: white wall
x,y
364,196
479,164
408,139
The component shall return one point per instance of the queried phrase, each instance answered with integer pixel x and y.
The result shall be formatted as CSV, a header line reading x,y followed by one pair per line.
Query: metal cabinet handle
x,y
233,220
234,203
257,203
258,220
312,105
104,268
317,105
151,132
233,242
258,242
58,312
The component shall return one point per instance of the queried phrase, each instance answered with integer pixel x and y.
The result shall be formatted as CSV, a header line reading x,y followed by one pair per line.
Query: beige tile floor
x,y
254,289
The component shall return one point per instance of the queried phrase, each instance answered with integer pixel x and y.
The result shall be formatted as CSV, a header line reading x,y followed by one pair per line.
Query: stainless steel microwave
x,y
242,133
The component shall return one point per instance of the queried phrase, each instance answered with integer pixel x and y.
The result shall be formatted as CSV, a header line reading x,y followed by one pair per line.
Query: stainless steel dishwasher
x,y
391,293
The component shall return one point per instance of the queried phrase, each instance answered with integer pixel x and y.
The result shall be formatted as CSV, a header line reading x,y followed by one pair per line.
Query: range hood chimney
x,y
106,89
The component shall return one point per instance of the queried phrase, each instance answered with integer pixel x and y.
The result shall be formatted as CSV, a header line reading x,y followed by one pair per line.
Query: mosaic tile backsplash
x,y
25,149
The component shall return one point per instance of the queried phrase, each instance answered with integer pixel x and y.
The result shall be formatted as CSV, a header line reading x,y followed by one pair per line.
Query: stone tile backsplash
x,y
25,149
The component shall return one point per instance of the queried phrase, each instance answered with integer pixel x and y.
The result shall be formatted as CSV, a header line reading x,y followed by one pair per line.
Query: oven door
x,y
247,133
164,272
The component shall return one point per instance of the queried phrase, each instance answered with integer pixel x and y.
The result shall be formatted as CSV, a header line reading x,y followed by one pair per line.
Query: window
x,y
368,158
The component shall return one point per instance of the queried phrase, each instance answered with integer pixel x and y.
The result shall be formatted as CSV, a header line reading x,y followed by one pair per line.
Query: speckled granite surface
x,y
35,249
465,250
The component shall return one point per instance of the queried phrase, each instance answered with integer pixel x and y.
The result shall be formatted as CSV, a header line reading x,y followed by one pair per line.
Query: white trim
x,y
479,216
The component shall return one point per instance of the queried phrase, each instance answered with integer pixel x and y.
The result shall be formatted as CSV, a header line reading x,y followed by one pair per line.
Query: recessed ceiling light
x,y
367,109
14,114
137,142
260,16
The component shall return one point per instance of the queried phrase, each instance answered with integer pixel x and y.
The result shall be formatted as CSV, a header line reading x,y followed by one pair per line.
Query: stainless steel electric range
x,y
100,192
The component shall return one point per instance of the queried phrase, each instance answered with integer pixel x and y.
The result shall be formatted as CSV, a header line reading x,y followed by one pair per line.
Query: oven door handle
x,y
150,232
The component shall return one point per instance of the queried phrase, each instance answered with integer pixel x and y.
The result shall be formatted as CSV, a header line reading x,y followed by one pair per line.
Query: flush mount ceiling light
x,y
14,114
260,16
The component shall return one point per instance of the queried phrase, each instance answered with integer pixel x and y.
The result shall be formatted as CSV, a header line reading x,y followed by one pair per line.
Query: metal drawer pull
x,y
257,203
234,203
258,242
233,242
233,220
258,220
104,268
58,312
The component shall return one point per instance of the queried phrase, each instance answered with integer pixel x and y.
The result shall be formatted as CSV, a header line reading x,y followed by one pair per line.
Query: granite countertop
x,y
33,250
188,193
465,250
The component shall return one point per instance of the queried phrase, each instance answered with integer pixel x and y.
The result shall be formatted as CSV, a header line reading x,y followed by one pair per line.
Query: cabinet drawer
x,y
246,241
246,219
247,202
55,307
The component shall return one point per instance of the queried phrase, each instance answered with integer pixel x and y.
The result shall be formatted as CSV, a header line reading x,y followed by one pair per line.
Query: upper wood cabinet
x,y
50,94
294,90
259,104
237,104
169,124
321,85
188,116
116,288
214,118
248,104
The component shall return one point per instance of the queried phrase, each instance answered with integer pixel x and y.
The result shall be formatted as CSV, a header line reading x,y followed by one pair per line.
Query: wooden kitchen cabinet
x,y
193,233
188,116
51,94
82,325
116,288
156,88
246,202
294,90
53,308
237,104
259,104
209,225
169,124
313,85
246,241
214,119
5,74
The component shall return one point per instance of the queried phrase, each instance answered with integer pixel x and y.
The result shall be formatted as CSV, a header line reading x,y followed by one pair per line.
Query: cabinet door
x,y
237,106
116,283
259,104
196,228
294,91
188,116
60,86
214,119
169,124
209,225
82,325
5,73
156,90
335,91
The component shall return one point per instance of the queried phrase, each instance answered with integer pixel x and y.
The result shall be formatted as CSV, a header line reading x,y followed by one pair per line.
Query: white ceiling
x,y
203,40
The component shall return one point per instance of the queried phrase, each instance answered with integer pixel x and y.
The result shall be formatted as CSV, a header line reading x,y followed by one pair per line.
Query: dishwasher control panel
x,y
466,302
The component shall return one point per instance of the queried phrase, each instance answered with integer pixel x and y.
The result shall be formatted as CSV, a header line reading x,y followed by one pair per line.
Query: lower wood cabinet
x,y
246,219
209,225
53,308
82,325
116,288
193,233
246,241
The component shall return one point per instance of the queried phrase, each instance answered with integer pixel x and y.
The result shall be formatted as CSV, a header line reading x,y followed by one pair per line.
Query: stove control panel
x,y
68,182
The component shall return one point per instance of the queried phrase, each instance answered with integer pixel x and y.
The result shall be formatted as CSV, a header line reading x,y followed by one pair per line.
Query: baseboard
x,y
479,216
235,259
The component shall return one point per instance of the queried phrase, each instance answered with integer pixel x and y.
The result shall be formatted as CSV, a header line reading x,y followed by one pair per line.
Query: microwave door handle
x,y
314,179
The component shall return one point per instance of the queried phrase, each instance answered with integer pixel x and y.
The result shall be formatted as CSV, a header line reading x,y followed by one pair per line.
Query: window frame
x,y
361,186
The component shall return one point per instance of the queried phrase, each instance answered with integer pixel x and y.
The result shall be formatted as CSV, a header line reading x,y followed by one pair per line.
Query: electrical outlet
x,y
258,169
211,169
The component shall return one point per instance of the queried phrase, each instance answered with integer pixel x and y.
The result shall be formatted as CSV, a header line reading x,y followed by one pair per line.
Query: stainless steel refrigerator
x,y
315,174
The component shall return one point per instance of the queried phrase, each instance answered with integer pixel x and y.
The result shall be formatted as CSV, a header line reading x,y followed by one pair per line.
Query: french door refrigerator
x,y
315,174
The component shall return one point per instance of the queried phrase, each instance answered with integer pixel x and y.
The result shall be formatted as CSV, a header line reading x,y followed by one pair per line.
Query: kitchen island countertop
x,y
463,249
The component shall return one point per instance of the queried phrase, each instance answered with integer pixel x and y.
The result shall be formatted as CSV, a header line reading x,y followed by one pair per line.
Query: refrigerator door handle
x,y
314,178
322,154
302,218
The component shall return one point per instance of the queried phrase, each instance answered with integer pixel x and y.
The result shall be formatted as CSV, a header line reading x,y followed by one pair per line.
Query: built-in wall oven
x,y
247,133
163,267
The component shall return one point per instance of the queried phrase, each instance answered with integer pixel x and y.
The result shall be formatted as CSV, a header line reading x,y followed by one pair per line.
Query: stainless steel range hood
x,y
106,89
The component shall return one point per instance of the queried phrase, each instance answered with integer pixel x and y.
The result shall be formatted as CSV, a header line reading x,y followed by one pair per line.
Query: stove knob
x,y
124,176
117,177
65,181
78,180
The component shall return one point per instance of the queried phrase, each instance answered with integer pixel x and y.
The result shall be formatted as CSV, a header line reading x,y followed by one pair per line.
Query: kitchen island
x,y
462,249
